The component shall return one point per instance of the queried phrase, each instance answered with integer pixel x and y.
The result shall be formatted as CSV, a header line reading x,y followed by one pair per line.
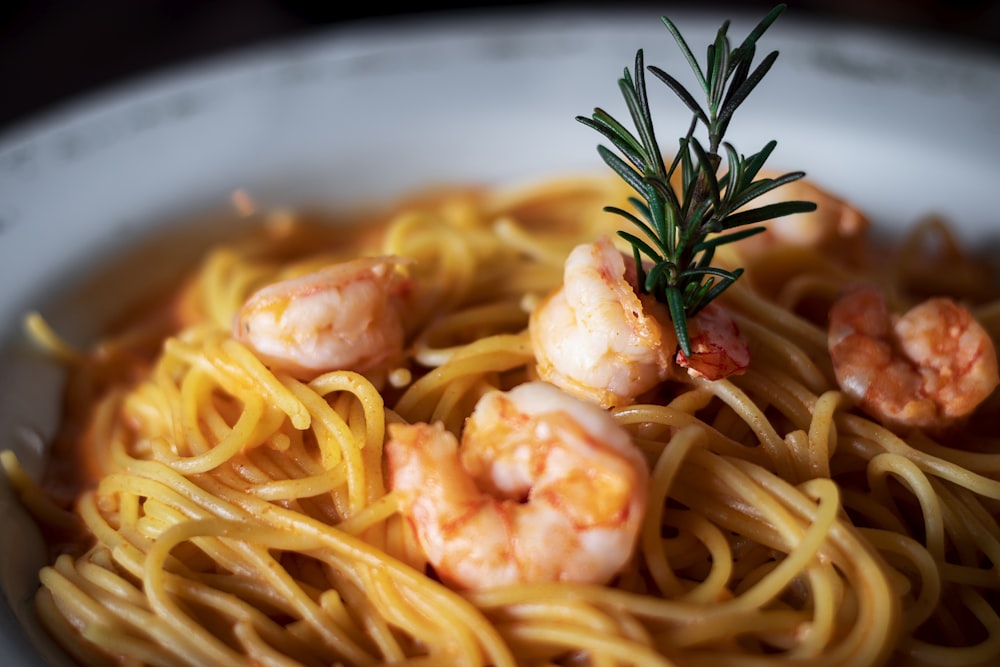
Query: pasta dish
x,y
456,435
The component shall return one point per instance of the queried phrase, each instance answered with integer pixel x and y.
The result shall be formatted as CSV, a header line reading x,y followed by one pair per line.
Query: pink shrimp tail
x,y
718,349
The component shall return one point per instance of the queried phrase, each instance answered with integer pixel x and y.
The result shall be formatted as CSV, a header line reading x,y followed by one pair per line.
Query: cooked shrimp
x,y
596,336
545,487
834,225
599,338
717,348
927,368
344,317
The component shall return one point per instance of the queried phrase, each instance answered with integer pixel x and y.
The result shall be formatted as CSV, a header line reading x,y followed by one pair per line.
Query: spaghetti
x,y
225,513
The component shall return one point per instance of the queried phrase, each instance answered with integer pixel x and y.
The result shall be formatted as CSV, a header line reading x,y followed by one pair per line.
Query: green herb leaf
x,y
684,228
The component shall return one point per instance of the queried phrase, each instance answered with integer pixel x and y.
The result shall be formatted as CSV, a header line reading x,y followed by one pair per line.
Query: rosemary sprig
x,y
683,229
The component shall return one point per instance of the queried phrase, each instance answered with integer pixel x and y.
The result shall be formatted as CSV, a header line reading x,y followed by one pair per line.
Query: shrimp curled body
x,y
835,226
346,316
599,338
545,487
928,368
595,336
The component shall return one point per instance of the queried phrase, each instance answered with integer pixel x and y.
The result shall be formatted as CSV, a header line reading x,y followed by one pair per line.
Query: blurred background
x,y
54,50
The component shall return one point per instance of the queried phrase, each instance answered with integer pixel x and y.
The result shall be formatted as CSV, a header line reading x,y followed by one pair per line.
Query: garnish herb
x,y
683,229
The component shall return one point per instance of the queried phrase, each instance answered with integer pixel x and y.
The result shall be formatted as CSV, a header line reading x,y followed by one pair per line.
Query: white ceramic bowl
x,y
901,126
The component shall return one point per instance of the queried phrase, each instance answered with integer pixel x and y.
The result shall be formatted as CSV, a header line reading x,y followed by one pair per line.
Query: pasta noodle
x,y
205,508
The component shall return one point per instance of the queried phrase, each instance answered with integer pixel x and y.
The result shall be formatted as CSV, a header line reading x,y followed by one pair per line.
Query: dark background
x,y
53,50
